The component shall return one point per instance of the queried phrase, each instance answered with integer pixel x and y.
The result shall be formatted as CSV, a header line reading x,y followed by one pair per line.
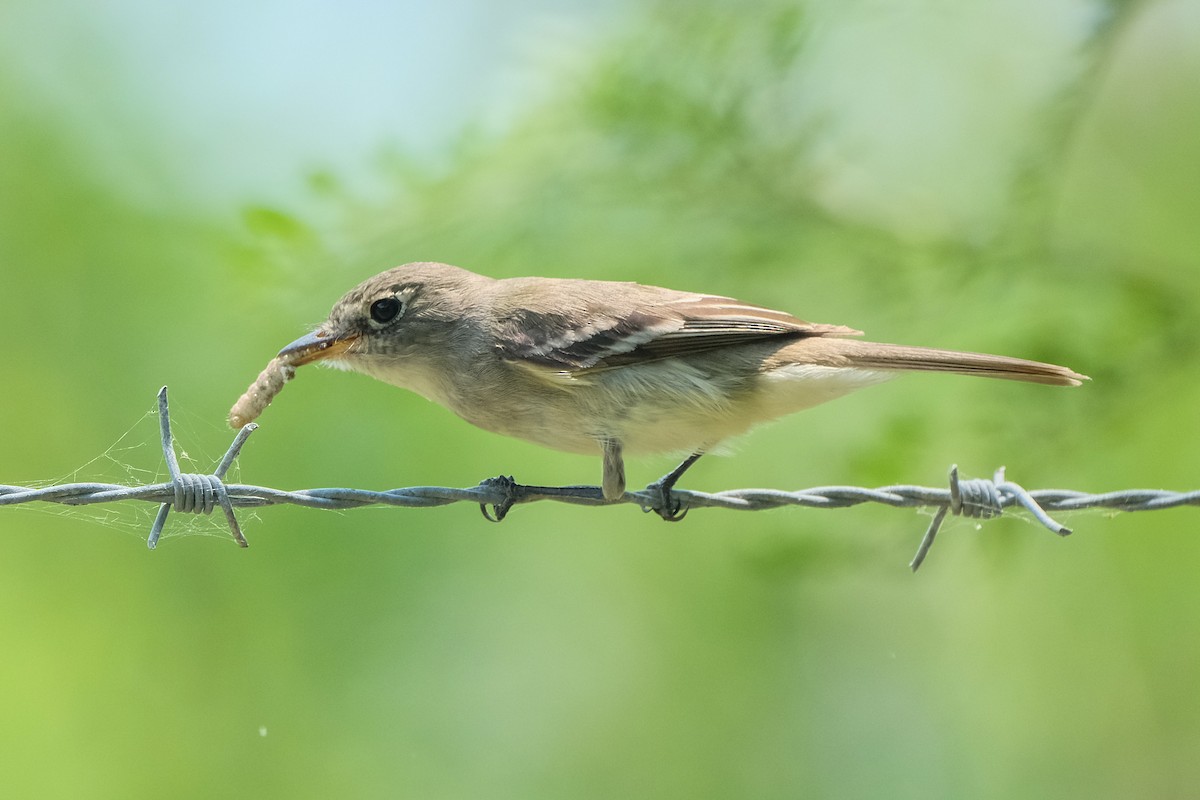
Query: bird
x,y
611,368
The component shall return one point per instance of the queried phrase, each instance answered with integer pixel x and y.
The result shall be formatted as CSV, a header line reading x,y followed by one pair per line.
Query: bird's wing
x,y
652,327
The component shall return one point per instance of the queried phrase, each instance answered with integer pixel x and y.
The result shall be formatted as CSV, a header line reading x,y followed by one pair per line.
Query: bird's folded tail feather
x,y
874,355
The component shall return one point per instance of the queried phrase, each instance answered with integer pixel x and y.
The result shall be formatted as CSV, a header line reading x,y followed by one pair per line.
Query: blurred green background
x,y
184,189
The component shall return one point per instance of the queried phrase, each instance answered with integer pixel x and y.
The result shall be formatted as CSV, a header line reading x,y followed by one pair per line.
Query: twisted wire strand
x,y
978,498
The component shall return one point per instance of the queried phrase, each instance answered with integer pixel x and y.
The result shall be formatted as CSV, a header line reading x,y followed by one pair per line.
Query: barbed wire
x,y
977,498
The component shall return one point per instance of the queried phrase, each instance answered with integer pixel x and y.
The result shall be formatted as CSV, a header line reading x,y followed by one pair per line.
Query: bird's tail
x,y
873,355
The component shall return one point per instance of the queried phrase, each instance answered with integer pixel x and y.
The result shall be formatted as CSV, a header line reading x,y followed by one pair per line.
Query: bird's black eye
x,y
386,309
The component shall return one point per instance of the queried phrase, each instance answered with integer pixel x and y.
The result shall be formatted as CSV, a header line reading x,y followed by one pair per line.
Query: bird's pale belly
x,y
665,407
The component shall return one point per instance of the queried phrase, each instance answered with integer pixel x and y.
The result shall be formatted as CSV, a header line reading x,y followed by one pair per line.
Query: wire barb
x,y
979,498
195,493
200,494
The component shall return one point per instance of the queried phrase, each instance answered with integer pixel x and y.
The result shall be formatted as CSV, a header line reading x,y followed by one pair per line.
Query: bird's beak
x,y
316,346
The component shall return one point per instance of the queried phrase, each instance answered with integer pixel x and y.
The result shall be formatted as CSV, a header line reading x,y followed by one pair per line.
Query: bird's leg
x,y
612,487
613,484
666,507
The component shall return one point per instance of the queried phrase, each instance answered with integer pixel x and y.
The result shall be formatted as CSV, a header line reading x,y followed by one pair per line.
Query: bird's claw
x,y
665,505
507,485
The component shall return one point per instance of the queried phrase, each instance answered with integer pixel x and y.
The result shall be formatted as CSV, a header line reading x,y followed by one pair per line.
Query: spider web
x,y
135,458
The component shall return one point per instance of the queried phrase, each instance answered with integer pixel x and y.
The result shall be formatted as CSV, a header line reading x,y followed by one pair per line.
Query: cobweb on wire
x,y
134,458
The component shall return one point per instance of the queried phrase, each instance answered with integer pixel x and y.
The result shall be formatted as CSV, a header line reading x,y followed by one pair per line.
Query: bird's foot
x,y
511,493
665,504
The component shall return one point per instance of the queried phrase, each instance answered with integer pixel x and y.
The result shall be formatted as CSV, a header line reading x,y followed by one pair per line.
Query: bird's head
x,y
389,319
